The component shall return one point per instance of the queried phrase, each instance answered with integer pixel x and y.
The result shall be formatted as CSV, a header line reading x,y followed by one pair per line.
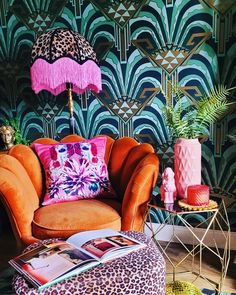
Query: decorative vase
x,y
187,164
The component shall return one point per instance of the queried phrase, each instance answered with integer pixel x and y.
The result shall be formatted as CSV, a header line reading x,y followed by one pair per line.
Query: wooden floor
x,y
211,268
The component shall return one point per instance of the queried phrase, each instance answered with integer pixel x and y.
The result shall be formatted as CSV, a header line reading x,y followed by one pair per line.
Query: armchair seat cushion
x,y
61,219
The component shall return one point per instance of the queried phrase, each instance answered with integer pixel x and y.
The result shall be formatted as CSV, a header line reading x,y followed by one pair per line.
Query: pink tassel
x,y
53,77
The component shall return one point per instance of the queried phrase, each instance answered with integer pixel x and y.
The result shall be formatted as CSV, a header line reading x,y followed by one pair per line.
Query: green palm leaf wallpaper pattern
x,y
141,45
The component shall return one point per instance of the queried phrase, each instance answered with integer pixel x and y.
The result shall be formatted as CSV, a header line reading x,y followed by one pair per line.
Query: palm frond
x,y
209,109
193,121
175,121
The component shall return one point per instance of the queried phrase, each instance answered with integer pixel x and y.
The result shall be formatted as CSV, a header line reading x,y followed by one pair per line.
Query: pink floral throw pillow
x,y
74,170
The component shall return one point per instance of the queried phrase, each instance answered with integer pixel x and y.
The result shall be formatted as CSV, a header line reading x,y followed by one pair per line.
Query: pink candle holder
x,y
198,195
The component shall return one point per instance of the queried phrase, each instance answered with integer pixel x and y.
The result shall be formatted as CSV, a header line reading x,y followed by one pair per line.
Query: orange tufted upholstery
x,y
133,170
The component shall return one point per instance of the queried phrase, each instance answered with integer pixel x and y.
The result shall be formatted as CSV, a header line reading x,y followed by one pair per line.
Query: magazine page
x,y
105,244
82,237
49,262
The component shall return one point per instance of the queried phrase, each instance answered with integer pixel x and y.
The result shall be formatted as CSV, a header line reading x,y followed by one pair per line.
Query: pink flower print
x,y
79,180
70,150
56,164
54,183
94,160
53,153
94,149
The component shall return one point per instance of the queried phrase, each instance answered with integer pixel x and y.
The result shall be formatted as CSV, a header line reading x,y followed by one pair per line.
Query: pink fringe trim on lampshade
x,y
53,77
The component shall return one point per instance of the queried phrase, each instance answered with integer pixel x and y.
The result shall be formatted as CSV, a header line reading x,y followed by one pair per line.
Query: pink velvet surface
x,y
75,170
54,76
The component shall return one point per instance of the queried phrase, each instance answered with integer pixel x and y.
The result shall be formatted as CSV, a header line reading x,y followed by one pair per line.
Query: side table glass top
x,y
175,208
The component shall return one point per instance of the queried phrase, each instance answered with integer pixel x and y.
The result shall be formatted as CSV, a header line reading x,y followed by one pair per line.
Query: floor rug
x,y
7,274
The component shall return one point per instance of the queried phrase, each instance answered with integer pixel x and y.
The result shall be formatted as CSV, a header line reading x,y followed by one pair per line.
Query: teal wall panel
x,y
140,46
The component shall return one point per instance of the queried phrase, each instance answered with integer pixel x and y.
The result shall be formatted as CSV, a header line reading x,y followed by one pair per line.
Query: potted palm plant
x,y
186,123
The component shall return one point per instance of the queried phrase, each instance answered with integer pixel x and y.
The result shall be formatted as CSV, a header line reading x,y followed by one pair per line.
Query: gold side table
x,y
214,222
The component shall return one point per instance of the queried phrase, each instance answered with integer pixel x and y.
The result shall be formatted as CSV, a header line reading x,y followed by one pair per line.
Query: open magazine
x,y
51,263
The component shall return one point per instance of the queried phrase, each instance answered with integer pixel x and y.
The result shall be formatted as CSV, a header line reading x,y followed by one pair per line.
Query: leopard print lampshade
x,y
63,56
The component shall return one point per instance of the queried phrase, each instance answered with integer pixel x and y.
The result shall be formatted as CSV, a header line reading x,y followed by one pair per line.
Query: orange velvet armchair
x,y
133,170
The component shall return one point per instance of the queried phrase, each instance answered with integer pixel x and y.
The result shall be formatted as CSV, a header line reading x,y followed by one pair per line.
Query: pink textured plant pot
x,y
187,164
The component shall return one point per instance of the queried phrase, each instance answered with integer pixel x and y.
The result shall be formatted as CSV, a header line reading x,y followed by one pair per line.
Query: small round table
x,y
141,272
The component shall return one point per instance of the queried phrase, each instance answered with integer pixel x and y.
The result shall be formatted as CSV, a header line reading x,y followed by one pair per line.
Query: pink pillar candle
x,y
198,195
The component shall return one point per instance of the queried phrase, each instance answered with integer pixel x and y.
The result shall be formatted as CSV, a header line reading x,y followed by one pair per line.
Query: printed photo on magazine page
x,y
100,246
52,261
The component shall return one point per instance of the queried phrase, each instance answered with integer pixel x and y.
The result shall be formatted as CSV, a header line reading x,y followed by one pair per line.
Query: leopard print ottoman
x,y
140,272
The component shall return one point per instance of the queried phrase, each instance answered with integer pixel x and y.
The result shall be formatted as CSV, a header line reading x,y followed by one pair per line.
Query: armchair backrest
x,y
122,157
15,183
125,156
28,159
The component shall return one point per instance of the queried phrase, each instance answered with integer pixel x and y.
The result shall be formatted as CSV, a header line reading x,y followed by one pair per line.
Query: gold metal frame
x,y
216,221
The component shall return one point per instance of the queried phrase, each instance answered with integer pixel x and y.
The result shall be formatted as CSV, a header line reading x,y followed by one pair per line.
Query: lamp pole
x,y
71,106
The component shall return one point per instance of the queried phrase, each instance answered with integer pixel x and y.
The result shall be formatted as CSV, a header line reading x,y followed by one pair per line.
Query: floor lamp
x,y
63,60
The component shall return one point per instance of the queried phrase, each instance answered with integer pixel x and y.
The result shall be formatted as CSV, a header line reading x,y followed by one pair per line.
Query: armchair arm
x,y
19,197
138,193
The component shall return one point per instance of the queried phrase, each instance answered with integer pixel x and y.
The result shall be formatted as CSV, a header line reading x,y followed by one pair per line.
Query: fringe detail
x,y
53,77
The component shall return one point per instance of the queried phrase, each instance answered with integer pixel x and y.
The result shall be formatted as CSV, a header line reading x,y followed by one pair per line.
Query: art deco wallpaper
x,y
140,45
